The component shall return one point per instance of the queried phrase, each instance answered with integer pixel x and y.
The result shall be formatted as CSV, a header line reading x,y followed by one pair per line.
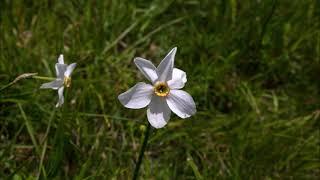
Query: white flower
x,y
164,95
63,72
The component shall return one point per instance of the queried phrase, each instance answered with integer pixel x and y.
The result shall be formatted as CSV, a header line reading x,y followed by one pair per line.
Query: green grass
x,y
253,69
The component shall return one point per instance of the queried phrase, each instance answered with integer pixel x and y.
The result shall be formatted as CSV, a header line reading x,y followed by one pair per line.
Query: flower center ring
x,y
67,81
161,89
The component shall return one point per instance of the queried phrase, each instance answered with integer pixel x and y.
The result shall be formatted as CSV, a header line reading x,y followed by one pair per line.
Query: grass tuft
x,y
253,69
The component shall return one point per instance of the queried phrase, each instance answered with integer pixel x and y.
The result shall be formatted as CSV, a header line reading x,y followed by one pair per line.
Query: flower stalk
x,y
44,78
142,150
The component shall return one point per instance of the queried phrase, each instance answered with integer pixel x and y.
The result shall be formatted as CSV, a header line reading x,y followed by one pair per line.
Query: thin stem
x,y
143,148
43,78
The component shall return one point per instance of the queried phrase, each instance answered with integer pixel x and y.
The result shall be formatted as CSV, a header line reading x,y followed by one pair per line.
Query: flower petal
x,y
146,68
165,68
69,70
179,78
52,85
181,103
61,98
139,96
60,69
60,59
158,112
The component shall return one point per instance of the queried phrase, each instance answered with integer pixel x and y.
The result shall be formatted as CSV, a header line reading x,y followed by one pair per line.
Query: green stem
x,y
43,78
143,148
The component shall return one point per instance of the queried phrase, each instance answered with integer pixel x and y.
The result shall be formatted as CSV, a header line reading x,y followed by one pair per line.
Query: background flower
x,y
63,72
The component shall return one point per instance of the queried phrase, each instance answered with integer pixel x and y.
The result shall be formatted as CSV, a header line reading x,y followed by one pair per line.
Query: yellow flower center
x,y
67,81
161,89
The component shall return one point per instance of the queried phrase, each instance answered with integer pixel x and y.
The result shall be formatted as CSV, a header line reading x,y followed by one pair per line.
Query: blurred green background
x,y
253,69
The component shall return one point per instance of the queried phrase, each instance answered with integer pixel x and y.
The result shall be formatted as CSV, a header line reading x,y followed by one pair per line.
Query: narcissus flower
x,y
63,79
164,95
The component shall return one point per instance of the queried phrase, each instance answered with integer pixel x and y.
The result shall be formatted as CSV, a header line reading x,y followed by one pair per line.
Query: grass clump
x,y
253,69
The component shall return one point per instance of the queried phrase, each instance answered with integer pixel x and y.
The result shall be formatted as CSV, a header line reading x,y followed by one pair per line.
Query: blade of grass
x,y
31,134
194,167
44,149
20,77
120,37
29,129
146,37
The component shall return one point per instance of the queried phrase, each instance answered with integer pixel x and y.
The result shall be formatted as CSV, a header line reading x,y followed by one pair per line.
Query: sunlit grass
x,y
252,68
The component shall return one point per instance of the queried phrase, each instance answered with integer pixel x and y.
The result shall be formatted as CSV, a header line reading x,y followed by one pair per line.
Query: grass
x,y
253,69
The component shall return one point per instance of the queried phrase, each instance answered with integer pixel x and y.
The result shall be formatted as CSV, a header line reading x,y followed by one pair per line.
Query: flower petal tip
x,y
173,51
157,127
192,113
60,59
138,60
156,124
184,116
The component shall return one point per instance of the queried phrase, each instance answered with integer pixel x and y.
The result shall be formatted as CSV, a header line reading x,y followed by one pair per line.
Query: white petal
x,y
165,68
69,70
60,59
179,78
158,112
52,85
181,103
60,69
61,98
147,68
139,96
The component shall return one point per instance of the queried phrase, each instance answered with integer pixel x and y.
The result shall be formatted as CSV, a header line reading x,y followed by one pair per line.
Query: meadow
x,y
253,70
